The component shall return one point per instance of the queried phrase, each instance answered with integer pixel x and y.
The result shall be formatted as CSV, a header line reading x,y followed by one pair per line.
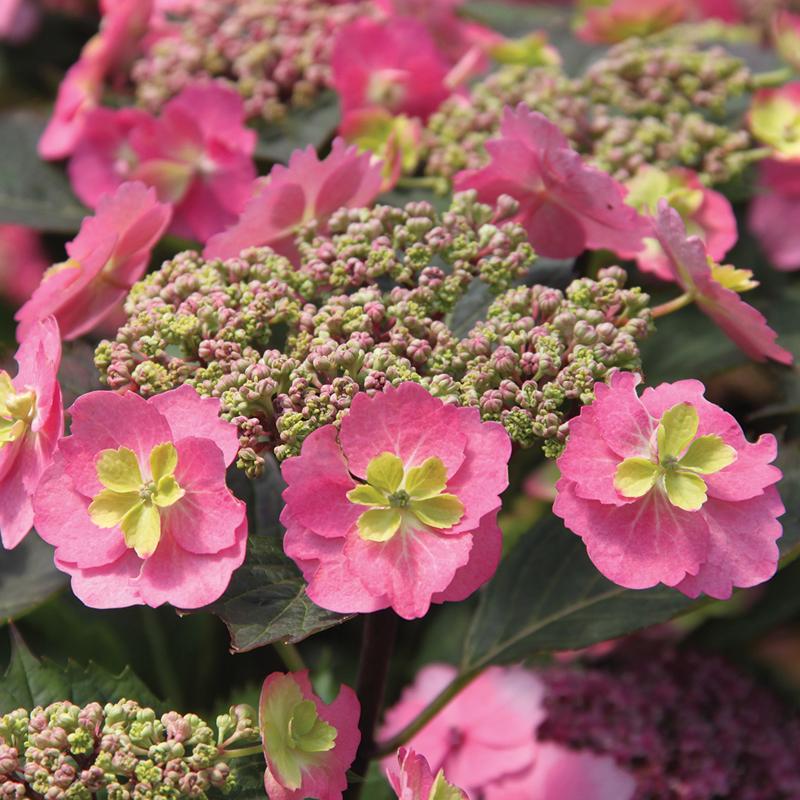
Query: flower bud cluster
x,y
276,53
286,349
120,751
657,103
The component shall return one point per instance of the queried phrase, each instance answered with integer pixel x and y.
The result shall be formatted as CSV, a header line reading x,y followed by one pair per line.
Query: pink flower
x,y
392,64
666,489
307,189
615,20
566,775
109,254
566,205
123,24
485,734
775,119
22,262
136,504
715,288
308,745
777,202
412,779
398,507
198,156
706,213
31,422
18,20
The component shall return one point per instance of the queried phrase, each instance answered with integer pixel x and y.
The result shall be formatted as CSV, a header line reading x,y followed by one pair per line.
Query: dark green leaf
x,y
29,682
548,596
28,577
33,192
266,601
302,126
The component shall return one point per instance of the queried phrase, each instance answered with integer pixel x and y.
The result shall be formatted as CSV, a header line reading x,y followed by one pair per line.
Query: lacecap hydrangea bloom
x,y
665,488
397,509
485,742
565,205
197,154
308,745
109,254
31,423
715,288
135,501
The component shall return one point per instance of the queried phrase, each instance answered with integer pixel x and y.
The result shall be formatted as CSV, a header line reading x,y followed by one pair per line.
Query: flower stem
x,y
458,683
243,752
775,77
290,656
676,304
377,644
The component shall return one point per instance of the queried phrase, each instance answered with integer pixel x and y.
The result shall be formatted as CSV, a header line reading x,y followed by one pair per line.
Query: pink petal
x,y
112,585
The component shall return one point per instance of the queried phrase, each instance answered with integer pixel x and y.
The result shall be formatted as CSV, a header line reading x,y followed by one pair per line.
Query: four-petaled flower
x,y
308,745
666,489
135,501
31,422
775,119
398,507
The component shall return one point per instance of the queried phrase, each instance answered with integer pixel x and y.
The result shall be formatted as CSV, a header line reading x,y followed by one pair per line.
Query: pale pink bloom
x,y
565,205
109,254
719,535
197,154
22,262
404,548
392,64
315,764
412,779
562,774
124,23
616,20
18,20
695,273
198,529
305,190
486,733
773,208
31,422
705,212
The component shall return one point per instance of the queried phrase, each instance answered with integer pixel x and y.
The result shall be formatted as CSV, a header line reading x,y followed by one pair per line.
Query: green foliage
x,y
29,682
28,577
33,192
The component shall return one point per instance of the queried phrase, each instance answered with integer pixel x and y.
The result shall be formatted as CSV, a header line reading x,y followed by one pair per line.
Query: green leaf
x,y
28,577
303,126
547,596
29,682
33,192
266,601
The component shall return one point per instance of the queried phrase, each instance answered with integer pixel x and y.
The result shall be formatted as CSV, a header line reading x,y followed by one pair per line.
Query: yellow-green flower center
x,y
133,502
680,460
17,411
404,499
293,733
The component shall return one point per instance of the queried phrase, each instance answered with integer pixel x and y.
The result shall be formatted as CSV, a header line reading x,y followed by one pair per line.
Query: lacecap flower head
x,y
31,422
136,504
396,509
308,745
715,288
565,205
109,254
665,488
306,190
